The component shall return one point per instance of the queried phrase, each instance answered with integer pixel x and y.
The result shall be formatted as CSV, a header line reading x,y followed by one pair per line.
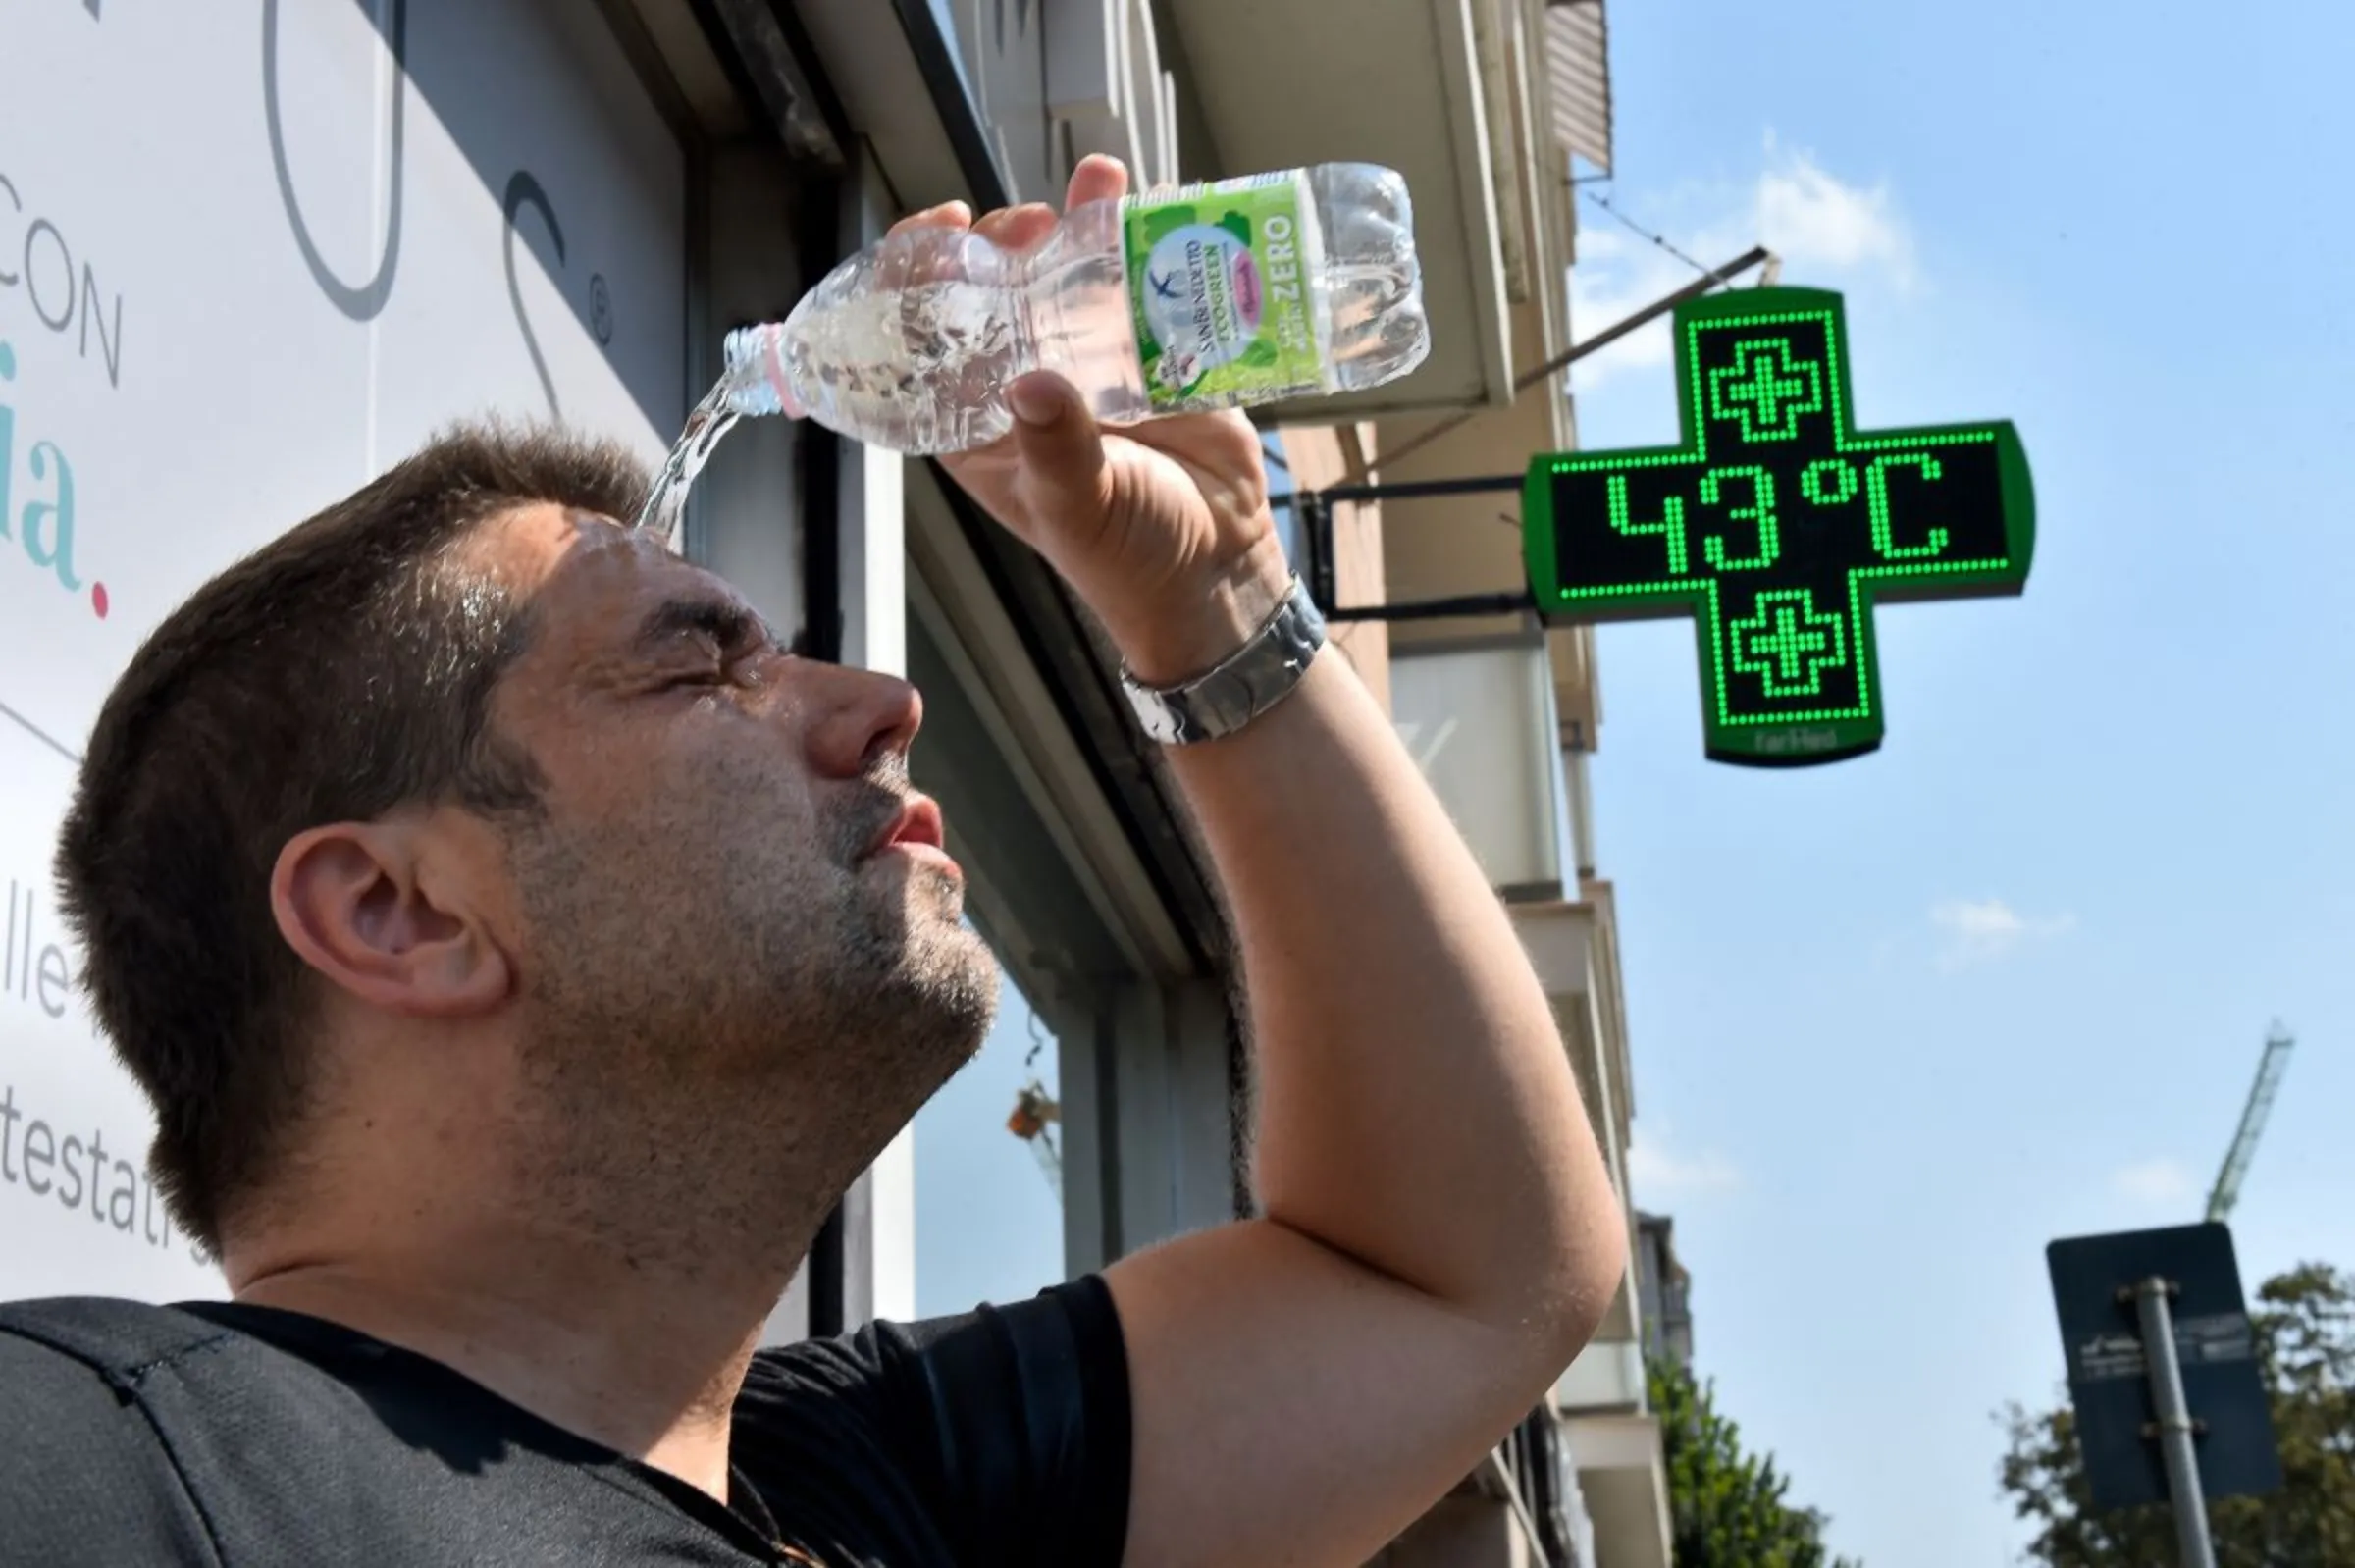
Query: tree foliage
x,y
2305,1331
1726,1507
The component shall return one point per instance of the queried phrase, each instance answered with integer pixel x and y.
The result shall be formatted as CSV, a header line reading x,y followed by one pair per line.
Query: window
x,y
989,1202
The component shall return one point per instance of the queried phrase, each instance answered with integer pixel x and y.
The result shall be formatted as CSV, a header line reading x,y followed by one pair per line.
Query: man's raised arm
x,y
1438,1235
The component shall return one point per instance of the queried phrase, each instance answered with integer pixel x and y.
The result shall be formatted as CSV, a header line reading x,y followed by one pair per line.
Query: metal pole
x,y
1315,518
1435,609
2174,1424
1406,490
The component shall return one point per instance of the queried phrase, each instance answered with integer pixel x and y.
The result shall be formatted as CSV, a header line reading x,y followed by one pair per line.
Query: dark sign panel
x,y
2093,1280
1778,526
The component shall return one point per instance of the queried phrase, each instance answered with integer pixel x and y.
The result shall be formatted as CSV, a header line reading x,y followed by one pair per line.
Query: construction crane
x,y
1034,1114
2226,1191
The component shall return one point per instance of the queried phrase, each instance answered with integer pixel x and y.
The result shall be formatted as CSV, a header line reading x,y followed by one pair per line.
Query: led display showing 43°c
x,y
1778,526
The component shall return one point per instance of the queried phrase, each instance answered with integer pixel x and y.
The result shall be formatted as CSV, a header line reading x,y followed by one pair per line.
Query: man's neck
x,y
626,1351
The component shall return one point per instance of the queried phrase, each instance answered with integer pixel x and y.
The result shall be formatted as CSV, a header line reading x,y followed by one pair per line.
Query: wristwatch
x,y
1248,683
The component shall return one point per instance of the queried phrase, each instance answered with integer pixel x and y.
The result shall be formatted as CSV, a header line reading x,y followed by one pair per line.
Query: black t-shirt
x,y
242,1435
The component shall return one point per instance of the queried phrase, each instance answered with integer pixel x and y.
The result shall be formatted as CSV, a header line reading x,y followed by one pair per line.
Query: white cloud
x,y
2160,1183
1818,223
1616,276
1980,930
1827,230
1659,1174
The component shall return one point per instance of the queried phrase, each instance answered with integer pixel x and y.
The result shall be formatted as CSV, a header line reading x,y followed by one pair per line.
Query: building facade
x,y
1502,713
1666,1291
332,227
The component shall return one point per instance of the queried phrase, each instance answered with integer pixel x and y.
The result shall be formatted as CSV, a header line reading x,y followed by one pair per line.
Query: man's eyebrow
x,y
724,621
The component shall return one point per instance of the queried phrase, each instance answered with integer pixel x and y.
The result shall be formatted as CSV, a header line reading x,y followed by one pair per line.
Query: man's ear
x,y
354,900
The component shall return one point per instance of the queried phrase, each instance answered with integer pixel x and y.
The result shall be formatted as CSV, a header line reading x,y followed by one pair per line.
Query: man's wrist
x,y
1192,628
1242,687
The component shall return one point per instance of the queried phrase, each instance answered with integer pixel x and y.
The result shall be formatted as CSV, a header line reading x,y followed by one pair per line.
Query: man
x,y
523,952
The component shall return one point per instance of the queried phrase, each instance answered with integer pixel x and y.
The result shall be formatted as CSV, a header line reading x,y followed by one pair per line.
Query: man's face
x,y
735,914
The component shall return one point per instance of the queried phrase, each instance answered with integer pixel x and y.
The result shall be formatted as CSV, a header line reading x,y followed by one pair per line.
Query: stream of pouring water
x,y
666,503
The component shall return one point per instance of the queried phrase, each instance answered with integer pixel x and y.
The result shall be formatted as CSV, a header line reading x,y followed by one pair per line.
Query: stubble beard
x,y
726,1031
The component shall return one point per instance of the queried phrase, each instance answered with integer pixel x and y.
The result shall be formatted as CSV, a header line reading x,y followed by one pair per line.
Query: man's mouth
x,y
915,830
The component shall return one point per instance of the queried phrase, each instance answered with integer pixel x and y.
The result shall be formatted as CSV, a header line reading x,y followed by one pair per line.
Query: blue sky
x,y
1899,1022
988,1224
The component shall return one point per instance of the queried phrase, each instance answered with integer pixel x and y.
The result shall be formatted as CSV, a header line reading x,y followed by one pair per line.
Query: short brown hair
x,y
342,671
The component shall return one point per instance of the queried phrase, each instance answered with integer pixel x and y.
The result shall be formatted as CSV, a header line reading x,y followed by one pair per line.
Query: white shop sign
x,y
246,263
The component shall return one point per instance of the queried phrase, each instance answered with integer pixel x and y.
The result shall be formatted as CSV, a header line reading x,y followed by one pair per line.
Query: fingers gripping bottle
x,y
1219,295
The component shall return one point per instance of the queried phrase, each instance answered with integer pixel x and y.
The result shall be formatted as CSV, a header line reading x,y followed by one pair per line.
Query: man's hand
x,y
1162,530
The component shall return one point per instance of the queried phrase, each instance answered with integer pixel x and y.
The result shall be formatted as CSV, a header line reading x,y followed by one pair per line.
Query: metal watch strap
x,y
1246,684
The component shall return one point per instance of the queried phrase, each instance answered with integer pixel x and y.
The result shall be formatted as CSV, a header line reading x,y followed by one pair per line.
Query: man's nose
x,y
860,718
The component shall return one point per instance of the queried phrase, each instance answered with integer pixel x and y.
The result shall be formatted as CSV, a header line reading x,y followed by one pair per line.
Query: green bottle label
x,y
1219,286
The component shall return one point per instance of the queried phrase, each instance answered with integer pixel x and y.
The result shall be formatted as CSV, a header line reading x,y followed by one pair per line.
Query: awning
x,y
1578,76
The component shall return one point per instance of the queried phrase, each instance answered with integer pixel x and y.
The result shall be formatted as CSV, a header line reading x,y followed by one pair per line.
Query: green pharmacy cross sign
x,y
1778,526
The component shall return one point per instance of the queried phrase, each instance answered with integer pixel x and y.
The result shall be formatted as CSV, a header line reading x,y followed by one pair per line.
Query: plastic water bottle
x,y
1218,296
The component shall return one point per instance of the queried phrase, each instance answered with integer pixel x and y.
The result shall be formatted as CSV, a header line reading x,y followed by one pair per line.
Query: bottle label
x,y
1219,289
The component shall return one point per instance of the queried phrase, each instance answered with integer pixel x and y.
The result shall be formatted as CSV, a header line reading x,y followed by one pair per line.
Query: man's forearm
x,y
1416,1111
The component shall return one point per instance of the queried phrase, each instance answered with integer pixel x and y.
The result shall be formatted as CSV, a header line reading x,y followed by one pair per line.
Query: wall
x,y
1320,457
244,266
